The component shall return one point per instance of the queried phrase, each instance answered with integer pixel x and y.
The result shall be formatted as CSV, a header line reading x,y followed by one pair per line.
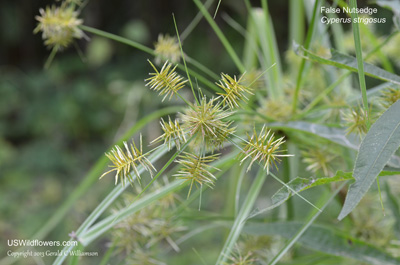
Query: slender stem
x,y
184,61
322,95
221,36
118,39
178,152
360,63
296,237
241,217
195,21
303,60
216,10
51,57
145,49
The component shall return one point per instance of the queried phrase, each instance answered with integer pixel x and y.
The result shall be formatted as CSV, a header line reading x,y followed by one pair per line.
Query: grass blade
x,y
107,223
344,61
360,64
303,229
221,36
241,217
303,61
111,197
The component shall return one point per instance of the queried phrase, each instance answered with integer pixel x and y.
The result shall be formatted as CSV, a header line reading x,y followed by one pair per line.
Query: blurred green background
x,y
55,123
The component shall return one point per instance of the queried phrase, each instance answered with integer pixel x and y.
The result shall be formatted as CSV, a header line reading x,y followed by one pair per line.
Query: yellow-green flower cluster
x,y
59,25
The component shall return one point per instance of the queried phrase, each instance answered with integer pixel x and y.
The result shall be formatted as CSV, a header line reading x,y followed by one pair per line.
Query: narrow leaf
x,y
298,184
332,134
344,61
394,206
380,143
301,184
242,216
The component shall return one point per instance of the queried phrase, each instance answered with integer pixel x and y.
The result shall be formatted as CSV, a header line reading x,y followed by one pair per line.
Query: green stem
x,y
195,21
118,39
145,49
303,60
242,216
51,57
184,61
294,239
322,95
221,36
360,63
172,159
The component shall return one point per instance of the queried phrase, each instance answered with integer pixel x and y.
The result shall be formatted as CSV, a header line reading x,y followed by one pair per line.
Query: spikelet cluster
x,y
356,121
236,258
125,160
167,82
59,25
389,97
206,122
318,160
136,235
173,133
167,49
196,170
263,148
234,89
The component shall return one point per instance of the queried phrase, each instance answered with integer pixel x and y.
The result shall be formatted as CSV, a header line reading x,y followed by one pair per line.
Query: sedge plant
x,y
228,148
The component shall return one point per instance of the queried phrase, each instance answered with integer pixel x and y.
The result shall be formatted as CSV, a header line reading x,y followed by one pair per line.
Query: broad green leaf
x,y
344,61
326,240
380,143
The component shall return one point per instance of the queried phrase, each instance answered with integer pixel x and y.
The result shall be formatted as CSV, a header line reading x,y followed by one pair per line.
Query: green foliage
x,y
380,143
293,116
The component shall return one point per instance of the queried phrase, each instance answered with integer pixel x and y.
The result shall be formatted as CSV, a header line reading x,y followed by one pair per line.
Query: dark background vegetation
x,y
55,123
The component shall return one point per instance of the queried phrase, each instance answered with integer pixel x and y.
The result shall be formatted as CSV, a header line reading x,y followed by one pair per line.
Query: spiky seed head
x,y
144,228
125,160
263,148
143,256
234,90
278,109
318,160
167,48
59,26
390,96
236,258
172,133
206,122
356,121
167,82
195,169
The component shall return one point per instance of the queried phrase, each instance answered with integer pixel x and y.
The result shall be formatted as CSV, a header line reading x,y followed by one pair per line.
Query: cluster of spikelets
x,y
59,25
136,236
124,161
167,49
263,147
205,126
